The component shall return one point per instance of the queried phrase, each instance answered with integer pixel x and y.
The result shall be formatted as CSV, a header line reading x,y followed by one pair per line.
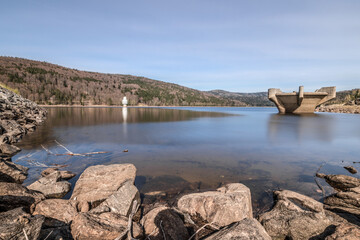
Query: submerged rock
x,y
105,226
228,204
98,182
295,216
351,169
13,195
64,175
11,172
17,224
51,186
164,223
120,202
246,229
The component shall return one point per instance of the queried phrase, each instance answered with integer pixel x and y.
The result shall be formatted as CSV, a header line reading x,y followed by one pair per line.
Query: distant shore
x,y
339,108
146,106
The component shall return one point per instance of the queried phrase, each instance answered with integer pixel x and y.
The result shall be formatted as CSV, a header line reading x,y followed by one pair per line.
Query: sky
x,y
238,46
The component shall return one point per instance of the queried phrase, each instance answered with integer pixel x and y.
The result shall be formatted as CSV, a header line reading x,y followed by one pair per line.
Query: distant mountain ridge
x,y
47,83
258,99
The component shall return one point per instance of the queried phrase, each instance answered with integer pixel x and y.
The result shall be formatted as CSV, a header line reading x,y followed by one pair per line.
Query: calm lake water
x,y
178,150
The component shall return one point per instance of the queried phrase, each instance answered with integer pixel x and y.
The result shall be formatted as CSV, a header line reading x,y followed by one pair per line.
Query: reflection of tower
x,y
124,114
124,102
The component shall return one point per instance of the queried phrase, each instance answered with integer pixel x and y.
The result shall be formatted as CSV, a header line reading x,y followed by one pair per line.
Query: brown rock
x,y
98,182
64,175
121,201
13,195
89,226
167,219
59,209
15,222
11,172
345,231
228,204
246,229
295,216
340,182
51,186
351,169
9,150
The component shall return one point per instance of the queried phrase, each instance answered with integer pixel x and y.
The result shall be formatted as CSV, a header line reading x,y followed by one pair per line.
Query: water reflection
x,y
299,128
61,119
178,150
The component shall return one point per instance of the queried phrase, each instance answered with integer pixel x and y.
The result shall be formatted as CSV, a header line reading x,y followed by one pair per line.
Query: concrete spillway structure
x,y
300,102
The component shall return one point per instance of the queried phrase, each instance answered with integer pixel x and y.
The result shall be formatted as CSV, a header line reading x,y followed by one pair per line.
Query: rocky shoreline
x,y
339,108
105,203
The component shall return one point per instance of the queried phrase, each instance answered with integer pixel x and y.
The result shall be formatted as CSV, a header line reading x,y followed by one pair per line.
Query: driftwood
x,y
317,182
68,152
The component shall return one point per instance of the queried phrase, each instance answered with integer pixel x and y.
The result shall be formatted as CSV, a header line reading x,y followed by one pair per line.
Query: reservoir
x,y
189,149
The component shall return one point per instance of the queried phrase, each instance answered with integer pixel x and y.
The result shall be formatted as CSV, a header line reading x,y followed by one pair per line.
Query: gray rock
x,y
246,229
59,209
13,195
163,217
9,150
98,182
121,201
295,216
51,186
11,172
345,231
64,175
228,204
15,222
340,182
105,226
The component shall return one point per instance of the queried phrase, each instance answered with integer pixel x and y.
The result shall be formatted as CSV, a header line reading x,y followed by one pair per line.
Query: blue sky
x,y
240,46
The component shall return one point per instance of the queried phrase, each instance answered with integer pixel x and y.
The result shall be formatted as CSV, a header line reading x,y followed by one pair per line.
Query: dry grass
x,y
14,90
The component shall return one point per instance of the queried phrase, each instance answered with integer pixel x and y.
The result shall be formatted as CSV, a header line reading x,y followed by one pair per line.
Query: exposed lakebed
x,y
188,149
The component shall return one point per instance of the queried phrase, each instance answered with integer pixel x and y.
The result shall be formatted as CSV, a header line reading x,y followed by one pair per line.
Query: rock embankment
x,y
18,116
339,108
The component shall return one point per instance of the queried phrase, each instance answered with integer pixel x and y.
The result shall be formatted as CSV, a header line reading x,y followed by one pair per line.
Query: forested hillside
x,y
257,99
51,84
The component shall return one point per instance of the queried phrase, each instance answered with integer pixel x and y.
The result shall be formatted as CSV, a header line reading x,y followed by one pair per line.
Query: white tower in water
x,y
124,102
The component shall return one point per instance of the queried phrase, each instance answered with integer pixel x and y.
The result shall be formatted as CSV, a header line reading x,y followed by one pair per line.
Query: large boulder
x,y
348,201
105,226
98,182
246,229
164,223
13,195
11,172
51,186
345,231
228,204
58,209
17,224
120,202
64,175
295,216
